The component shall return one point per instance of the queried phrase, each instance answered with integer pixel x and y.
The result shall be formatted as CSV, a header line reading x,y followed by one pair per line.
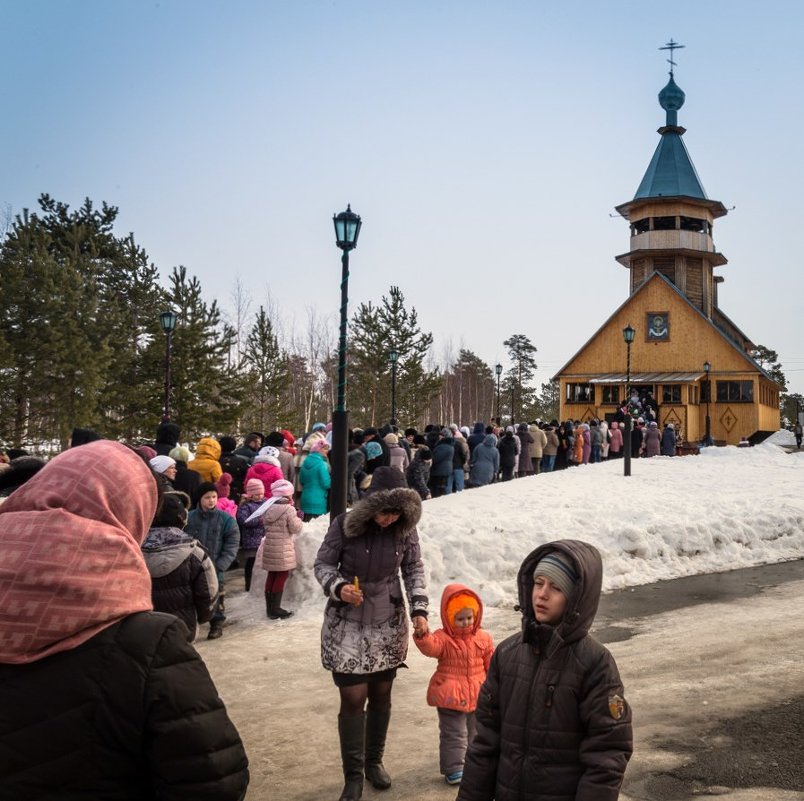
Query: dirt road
x,y
712,665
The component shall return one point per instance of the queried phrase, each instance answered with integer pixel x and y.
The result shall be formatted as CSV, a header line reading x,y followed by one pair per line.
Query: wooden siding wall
x,y
694,289
666,265
638,269
693,340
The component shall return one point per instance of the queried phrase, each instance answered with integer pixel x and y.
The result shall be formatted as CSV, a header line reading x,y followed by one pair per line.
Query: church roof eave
x,y
659,276
714,257
715,206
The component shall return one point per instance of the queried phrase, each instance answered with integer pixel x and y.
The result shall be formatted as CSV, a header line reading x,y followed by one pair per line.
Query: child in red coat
x,y
464,652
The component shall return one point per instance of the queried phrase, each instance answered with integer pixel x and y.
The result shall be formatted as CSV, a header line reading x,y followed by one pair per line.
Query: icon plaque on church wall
x,y
658,326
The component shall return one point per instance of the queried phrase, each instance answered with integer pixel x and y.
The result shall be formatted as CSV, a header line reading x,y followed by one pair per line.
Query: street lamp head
x,y
628,334
707,367
347,228
393,355
498,369
167,320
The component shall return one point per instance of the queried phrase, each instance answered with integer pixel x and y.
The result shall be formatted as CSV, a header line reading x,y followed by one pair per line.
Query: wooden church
x,y
686,351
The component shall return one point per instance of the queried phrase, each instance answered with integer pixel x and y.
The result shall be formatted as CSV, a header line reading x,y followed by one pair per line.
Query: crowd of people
x,y
111,557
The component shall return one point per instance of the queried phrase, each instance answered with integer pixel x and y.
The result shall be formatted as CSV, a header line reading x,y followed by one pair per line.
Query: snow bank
x,y
727,508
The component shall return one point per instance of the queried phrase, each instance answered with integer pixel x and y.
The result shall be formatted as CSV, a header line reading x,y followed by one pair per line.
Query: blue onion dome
x,y
671,98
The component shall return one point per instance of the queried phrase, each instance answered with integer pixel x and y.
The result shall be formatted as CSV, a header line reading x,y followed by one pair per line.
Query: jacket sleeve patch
x,y
616,706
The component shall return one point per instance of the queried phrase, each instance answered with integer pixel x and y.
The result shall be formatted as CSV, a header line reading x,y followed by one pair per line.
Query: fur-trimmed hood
x,y
360,520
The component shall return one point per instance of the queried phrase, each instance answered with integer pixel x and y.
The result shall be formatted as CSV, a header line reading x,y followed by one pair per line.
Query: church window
x,y
694,224
611,393
640,226
664,223
735,391
580,393
671,393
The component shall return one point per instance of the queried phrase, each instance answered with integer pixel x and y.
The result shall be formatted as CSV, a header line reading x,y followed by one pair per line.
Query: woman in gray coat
x,y
364,638
485,462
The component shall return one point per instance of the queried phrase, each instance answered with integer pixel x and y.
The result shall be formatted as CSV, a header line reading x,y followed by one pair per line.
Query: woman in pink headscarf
x,y
101,697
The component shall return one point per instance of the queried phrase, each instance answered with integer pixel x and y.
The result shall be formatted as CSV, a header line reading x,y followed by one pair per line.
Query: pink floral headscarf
x,y
70,559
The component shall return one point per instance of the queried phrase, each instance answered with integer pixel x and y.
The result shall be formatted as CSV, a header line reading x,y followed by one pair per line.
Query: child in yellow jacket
x,y
464,652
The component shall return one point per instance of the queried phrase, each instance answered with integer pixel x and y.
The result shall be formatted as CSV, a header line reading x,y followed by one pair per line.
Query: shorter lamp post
x,y
628,336
393,357
498,371
708,434
167,321
347,229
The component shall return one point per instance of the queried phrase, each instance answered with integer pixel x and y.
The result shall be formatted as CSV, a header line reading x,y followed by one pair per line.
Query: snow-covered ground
x,y
725,509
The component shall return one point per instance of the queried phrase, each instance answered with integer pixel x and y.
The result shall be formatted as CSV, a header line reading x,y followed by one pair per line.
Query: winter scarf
x,y
70,559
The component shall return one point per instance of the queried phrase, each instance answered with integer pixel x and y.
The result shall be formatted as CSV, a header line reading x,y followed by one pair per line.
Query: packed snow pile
x,y
724,509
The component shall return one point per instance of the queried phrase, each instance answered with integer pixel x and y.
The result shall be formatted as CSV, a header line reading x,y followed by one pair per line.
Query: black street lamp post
x,y
347,229
393,357
628,336
498,371
708,434
167,321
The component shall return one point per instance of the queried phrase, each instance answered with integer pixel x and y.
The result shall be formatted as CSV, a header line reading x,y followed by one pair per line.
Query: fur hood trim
x,y
360,520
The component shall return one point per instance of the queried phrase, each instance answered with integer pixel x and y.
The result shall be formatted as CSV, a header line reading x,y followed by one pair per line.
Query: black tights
x,y
353,699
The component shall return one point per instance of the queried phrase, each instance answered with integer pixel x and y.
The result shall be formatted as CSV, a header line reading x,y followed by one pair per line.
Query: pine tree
x,y
206,394
468,391
367,366
768,360
375,331
522,353
266,377
548,403
56,336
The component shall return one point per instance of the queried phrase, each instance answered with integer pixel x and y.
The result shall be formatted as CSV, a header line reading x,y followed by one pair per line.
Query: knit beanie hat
x,y
386,478
162,463
461,600
275,439
373,450
223,484
269,450
391,439
228,444
558,567
319,427
254,485
204,487
146,451
281,489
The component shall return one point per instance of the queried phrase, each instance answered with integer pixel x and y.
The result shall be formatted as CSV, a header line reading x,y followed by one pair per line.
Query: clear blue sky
x,y
485,146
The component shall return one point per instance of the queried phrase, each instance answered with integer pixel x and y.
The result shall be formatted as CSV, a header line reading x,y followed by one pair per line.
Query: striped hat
x,y
557,567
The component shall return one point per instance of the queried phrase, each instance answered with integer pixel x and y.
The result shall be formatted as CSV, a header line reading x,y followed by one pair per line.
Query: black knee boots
x,y
353,743
376,730
275,610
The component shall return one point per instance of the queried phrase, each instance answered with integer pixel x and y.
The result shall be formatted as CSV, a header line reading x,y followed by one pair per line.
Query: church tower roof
x,y
671,172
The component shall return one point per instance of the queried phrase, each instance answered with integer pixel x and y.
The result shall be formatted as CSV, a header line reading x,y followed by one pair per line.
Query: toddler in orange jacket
x,y
463,651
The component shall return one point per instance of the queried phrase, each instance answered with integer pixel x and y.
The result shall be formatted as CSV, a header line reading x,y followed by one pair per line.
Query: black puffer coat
x,y
552,722
142,720
184,582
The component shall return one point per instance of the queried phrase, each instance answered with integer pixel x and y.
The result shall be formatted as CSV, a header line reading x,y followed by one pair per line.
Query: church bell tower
x,y
670,216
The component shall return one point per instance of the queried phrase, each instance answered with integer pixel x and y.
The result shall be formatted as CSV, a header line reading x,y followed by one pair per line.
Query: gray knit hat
x,y
559,569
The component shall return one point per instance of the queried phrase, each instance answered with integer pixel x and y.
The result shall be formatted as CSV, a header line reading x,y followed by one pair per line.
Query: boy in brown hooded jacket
x,y
552,720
